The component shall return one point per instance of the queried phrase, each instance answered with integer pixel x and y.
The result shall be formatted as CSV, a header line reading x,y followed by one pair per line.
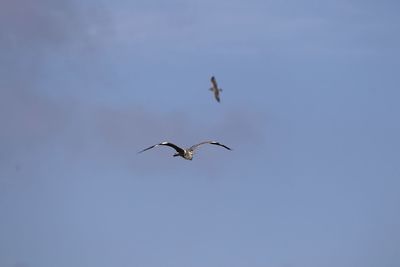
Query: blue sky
x,y
310,108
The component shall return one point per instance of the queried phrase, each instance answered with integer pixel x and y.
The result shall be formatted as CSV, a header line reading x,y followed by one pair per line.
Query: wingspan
x,y
211,143
177,148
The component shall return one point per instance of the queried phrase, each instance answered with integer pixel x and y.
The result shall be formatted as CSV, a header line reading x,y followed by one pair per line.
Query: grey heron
x,y
186,153
214,88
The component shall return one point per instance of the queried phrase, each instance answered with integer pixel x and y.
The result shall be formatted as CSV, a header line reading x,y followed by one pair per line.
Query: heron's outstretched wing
x,y
216,95
177,148
209,142
214,83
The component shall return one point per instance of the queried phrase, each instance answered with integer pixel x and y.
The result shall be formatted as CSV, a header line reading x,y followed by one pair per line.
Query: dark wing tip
x,y
219,144
165,143
150,147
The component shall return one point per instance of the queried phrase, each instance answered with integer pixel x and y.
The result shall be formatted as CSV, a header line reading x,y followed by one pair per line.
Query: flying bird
x,y
215,88
186,153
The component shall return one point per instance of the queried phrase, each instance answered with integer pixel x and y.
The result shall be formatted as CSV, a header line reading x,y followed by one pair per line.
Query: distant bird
x,y
215,88
186,153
